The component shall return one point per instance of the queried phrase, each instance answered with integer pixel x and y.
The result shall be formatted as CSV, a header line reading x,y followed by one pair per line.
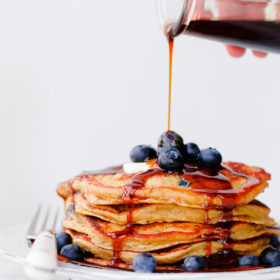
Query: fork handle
x,y
41,262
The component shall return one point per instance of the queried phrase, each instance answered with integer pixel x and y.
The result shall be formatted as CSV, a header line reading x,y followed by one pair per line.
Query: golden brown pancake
x,y
157,236
255,212
174,254
196,212
235,184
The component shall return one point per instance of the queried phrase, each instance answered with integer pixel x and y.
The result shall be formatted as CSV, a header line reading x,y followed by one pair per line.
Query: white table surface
x,y
10,270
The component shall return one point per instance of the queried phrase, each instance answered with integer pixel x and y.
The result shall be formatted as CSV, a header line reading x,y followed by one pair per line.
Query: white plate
x,y
13,245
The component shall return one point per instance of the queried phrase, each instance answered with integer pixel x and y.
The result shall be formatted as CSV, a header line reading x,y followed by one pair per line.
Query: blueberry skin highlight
x,y
210,158
144,263
171,139
170,159
193,263
191,153
249,260
62,239
72,252
271,257
142,153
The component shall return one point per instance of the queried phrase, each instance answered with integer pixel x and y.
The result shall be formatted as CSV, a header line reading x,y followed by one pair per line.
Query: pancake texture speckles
x,y
165,188
194,212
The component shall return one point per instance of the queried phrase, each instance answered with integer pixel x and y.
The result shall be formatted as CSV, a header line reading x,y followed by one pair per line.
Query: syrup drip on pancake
x,y
209,182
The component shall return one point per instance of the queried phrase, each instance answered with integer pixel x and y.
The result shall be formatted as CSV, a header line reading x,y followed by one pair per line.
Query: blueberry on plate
x,y
62,239
72,251
193,263
170,159
274,240
210,158
142,153
144,263
271,257
249,260
170,139
191,153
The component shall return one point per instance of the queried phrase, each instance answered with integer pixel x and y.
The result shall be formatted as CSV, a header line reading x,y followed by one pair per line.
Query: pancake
x,y
233,185
174,254
255,212
143,238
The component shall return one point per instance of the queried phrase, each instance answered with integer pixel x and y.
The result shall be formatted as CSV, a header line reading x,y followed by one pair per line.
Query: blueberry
x,y
170,139
170,159
274,240
144,262
249,260
62,239
72,251
184,182
271,257
210,157
193,263
277,246
191,153
142,153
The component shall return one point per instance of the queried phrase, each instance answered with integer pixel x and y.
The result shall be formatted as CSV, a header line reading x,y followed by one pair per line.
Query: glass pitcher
x,y
248,23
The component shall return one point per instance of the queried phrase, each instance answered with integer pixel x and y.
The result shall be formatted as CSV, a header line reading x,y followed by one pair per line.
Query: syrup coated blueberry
x,y
72,251
191,153
210,157
249,260
274,240
171,139
184,183
62,239
144,263
142,153
193,263
170,159
271,257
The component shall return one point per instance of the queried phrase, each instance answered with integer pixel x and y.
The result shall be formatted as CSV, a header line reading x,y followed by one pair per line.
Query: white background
x,y
82,82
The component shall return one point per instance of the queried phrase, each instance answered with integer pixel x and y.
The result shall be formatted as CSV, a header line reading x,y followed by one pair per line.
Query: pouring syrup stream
x,y
171,45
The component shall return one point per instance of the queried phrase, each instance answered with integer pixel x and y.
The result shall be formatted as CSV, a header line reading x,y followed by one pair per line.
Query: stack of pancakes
x,y
197,212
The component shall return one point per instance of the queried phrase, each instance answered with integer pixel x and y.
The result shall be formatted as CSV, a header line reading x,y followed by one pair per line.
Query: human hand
x,y
236,51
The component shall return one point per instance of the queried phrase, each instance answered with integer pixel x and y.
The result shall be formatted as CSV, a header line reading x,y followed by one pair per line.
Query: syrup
x,y
256,34
213,181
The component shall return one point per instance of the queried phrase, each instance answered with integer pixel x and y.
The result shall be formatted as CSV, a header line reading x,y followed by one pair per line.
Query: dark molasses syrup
x,y
256,34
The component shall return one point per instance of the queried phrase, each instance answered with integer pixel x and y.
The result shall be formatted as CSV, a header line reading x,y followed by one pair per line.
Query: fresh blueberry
x,y
170,159
184,182
249,260
62,239
142,153
271,257
171,139
210,157
144,263
277,246
191,153
72,251
274,240
193,263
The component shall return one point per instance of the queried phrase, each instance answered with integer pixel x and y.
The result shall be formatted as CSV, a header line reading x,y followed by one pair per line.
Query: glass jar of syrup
x,y
248,23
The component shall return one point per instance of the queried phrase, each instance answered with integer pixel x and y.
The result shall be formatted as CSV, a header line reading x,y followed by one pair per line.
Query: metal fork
x,y
41,262
49,224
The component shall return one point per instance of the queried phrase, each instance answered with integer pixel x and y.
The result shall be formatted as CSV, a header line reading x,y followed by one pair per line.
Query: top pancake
x,y
233,185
